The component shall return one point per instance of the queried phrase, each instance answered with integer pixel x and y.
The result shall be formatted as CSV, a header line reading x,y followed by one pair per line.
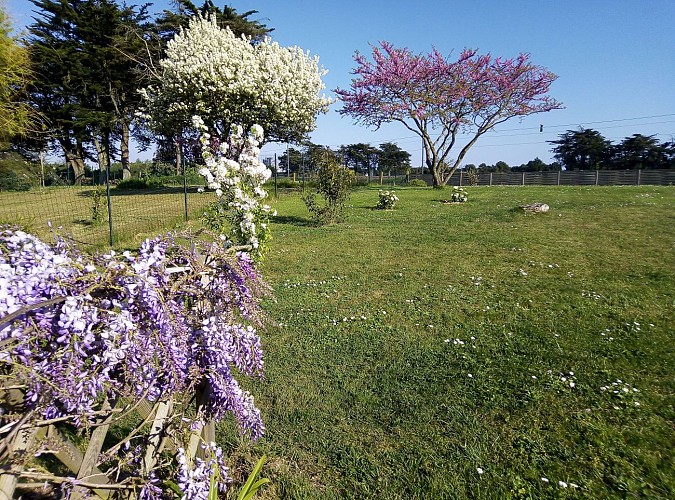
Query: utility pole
x,y
422,169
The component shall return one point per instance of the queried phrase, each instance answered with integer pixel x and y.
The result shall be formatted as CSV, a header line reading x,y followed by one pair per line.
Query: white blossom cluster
x,y
235,172
210,72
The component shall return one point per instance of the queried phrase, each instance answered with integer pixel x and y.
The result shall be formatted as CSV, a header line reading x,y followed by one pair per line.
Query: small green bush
x,y
16,174
152,183
333,184
459,194
97,205
417,183
11,180
285,182
387,200
192,178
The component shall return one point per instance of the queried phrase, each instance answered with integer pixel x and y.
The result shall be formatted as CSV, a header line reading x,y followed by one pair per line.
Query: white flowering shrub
x,y
234,170
387,200
226,80
459,194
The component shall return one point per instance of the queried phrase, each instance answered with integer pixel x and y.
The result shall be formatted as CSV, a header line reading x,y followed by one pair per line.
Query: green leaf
x,y
174,487
213,487
250,487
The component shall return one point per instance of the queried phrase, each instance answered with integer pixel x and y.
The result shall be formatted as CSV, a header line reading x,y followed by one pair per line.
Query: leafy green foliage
x,y
87,85
215,217
134,183
252,486
16,116
98,204
417,183
17,174
333,183
393,159
587,149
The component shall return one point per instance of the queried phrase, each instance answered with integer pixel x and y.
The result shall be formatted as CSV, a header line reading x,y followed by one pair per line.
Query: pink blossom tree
x,y
438,99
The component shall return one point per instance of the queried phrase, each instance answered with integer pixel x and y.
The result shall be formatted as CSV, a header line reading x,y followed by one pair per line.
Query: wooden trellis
x,y
84,467
22,441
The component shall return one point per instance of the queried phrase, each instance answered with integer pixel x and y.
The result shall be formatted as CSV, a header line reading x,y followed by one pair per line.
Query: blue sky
x,y
615,60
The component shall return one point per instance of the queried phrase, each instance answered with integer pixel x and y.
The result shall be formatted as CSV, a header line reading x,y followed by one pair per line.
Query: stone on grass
x,y
536,208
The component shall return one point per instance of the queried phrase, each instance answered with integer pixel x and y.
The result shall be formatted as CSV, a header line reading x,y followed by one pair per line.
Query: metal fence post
x,y
185,191
107,190
276,189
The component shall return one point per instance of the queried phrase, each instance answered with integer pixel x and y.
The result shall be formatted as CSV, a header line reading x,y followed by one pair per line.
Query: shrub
x,y
459,194
14,181
472,177
333,182
417,183
387,200
16,174
192,178
286,182
97,205
134,183
235,171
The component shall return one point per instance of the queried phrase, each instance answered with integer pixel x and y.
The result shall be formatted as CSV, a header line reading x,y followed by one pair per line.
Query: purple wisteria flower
x,y
77,330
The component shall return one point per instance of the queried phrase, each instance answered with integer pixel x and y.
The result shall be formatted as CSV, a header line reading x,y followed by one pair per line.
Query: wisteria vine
x,y
78,332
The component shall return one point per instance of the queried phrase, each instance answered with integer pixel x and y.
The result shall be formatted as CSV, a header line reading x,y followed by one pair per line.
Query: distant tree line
x,y
587,149
362,158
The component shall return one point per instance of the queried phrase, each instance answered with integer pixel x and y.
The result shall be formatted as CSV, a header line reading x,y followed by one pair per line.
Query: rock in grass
x,y
535,208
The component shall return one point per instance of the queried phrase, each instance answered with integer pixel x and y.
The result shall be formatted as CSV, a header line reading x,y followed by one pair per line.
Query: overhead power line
x,y
534,130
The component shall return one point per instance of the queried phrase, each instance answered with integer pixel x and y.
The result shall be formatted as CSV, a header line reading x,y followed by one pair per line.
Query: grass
x,y
453,351
136,214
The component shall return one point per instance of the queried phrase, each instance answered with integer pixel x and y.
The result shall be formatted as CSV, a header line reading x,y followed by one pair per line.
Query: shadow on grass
x,y
293,220
86,222
192,190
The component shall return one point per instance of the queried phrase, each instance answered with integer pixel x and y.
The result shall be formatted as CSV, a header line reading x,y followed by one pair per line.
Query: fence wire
x,y
81,212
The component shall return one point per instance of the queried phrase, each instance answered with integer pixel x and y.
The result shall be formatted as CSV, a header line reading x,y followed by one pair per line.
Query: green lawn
x,y
453,351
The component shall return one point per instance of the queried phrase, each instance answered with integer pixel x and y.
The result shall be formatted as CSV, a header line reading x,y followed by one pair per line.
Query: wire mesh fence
x,y
82,211
636,177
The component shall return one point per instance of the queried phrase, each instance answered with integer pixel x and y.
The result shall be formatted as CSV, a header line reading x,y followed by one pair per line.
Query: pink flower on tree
x,y
437,99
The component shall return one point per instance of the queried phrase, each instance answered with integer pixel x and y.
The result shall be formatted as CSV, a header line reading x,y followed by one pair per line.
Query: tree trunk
x,y
436,174
102,157
74,158
124,149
